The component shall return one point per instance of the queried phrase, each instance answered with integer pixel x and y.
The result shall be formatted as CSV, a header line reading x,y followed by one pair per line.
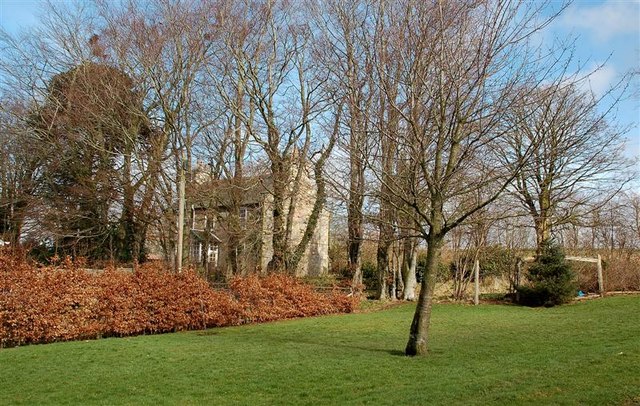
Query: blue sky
x,y
18,13
607,32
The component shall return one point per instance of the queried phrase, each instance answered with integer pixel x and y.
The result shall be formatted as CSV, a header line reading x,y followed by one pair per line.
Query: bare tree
x,y
18,172
577,164
283,88
231,146
345,51
460,63
467,243
165,47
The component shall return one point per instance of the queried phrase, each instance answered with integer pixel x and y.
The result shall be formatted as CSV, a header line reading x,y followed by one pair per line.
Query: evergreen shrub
x,y
551,281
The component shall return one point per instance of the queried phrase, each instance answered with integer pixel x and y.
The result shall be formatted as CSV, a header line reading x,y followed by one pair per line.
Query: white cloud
x,y
601,79
604,21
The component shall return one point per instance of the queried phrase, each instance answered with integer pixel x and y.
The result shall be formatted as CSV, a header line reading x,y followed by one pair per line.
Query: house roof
x,y
223,193
202,236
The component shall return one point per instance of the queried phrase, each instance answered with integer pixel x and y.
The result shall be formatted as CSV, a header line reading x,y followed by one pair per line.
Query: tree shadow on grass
x,y
396,353
331,344
392,352
273,339
325,343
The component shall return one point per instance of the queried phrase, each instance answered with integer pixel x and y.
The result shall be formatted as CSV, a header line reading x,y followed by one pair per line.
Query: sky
x,y
606,32
15,14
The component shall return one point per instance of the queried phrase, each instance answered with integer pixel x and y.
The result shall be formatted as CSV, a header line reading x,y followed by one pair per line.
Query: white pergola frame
x,y
597,260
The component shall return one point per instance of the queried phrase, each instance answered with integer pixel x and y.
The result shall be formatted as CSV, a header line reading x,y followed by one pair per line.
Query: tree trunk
x,y
357,138
386,197
277,262
409,263
233,245
137,250
128,251
543,231
419,332
383,266
543,220
354,220
397,284
356,197
318,205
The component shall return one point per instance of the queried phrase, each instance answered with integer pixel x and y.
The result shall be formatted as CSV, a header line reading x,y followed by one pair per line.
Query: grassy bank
x,y
584,353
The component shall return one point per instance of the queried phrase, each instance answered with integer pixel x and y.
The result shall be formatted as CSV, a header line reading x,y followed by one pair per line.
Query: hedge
x,y
42,304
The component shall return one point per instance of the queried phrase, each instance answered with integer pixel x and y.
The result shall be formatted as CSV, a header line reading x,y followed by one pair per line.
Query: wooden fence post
x,y
476,277
600,279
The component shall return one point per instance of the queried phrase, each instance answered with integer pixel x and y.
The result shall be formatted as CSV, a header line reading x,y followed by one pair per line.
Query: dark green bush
x,y
370,275
551,281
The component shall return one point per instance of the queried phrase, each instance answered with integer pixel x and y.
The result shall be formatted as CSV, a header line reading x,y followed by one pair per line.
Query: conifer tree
x,y
551,280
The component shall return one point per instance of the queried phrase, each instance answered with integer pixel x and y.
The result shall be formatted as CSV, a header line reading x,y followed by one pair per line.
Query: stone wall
x,y
315,261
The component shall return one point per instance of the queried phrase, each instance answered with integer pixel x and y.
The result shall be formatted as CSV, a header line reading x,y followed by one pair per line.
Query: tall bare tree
x,y
283,88
578,162
460,64
346,34
18,172
165,47
225,71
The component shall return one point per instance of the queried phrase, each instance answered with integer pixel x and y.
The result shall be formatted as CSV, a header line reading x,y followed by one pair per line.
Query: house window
x,y
244,214
199,220
212,255
196,251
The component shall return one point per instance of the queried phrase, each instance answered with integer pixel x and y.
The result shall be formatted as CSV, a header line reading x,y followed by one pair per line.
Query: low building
x,y
222,241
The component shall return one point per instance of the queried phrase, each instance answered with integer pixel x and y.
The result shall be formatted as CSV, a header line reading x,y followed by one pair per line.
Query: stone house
x,y
218,238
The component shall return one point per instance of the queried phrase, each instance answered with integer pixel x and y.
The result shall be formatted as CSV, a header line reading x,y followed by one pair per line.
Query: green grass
x,y
583,353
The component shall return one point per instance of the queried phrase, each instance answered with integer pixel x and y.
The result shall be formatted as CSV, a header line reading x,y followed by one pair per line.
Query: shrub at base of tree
x,y
41,304
551,280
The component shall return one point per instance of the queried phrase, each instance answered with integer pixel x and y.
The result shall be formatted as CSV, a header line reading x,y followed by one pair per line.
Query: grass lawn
x,y
583,353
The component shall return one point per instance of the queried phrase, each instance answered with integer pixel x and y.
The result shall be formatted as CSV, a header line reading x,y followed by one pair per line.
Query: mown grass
x,y
583,353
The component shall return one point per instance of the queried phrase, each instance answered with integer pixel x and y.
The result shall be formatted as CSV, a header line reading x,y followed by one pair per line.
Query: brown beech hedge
x,y
41,304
